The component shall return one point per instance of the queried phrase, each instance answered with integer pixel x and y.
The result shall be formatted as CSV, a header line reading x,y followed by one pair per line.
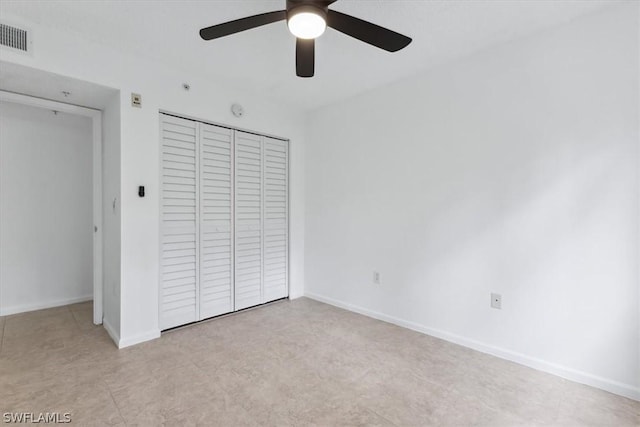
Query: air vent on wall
x,y
14,37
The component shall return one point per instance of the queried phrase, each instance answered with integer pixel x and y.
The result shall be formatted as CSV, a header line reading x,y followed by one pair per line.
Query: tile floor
x,y
288,363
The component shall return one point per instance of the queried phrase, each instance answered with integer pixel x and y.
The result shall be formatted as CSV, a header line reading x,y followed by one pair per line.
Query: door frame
x,y
96,119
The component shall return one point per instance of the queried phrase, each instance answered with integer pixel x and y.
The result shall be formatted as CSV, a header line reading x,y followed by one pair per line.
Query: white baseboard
x,y
586,378
129,341
23,308
137,339
296,295
115,336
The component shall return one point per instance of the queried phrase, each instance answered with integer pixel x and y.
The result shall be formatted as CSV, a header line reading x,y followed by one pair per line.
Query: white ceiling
x,y
262,60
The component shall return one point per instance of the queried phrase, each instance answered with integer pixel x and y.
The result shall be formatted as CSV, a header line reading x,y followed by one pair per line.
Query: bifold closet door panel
x,y
275,225
179,222
216,220
248,220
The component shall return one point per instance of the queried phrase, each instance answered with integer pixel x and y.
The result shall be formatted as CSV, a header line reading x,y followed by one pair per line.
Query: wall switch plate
x,y
136,100
496,301
376,277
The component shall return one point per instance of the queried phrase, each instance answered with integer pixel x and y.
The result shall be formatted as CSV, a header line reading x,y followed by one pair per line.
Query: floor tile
x,y
293,363
583,405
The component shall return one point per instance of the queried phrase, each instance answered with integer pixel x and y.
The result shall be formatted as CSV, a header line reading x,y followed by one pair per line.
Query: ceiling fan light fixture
x,y
306,22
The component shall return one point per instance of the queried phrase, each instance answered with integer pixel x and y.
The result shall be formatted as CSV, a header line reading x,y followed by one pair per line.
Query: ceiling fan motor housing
x,y
319,8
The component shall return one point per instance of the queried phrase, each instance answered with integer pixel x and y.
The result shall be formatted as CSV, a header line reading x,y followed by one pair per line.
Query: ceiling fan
x,y
307,20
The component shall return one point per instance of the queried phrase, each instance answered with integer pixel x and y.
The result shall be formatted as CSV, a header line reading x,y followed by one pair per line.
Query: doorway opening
x,y
51,205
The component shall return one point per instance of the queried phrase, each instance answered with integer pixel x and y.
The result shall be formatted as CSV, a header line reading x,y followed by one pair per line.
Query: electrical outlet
x,y
376,277
496,301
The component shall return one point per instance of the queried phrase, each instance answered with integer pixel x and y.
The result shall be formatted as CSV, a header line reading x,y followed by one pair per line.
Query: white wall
x,y
512,171
46,220
161,88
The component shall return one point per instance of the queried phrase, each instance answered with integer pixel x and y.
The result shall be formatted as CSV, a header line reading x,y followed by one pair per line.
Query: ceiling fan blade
x,y
305,57
367,32
242,24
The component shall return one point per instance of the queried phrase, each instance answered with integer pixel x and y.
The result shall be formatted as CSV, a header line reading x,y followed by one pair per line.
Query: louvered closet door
x,y
216,220
179,222
248,220
276,209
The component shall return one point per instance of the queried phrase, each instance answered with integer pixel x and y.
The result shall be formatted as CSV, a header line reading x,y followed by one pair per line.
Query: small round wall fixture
x,y
237,110
186,86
